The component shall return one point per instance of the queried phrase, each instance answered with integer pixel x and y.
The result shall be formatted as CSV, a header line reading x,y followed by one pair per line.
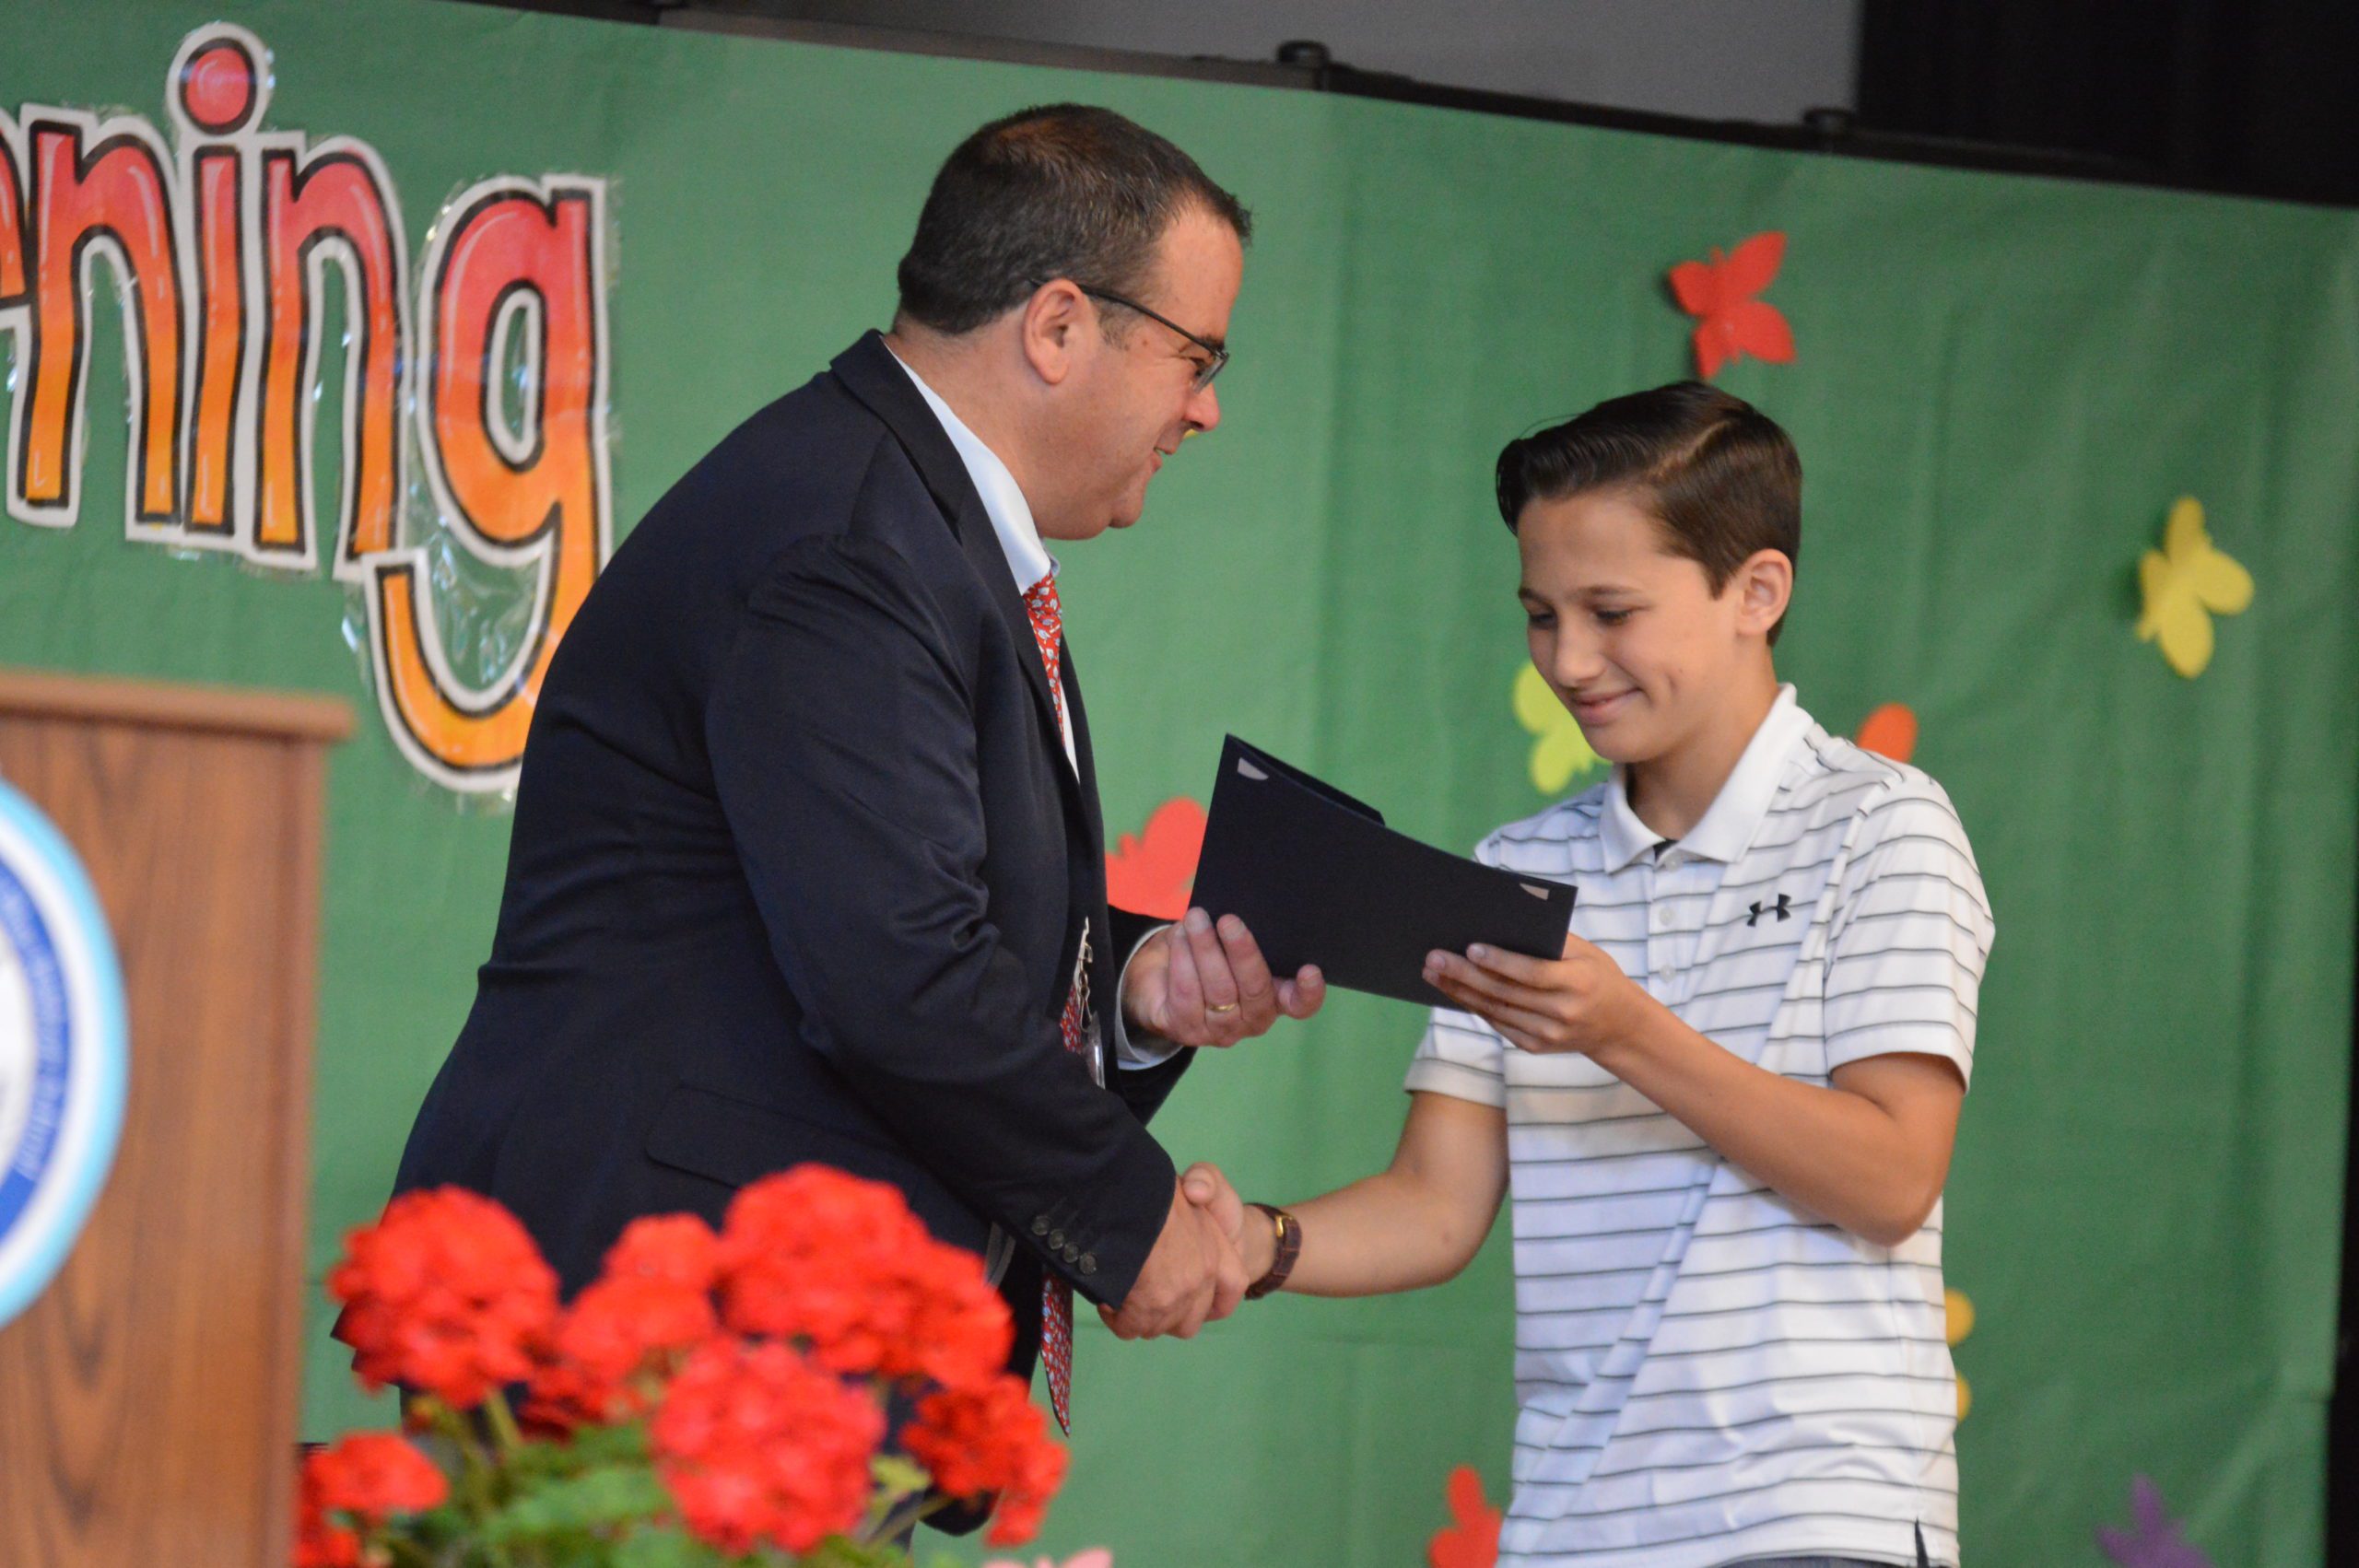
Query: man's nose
x,y
1204,408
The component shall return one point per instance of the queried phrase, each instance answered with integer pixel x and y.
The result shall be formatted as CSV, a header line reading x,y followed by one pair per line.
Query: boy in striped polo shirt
x,y
1726,1112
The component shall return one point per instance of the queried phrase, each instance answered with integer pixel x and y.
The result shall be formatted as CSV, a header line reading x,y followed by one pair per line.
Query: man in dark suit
x,y
807,862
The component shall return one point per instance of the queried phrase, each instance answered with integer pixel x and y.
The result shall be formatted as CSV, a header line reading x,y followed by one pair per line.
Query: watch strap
x,y
1289,1231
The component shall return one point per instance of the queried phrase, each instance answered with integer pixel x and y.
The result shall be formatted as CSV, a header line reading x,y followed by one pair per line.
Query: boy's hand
x,y
1579,1002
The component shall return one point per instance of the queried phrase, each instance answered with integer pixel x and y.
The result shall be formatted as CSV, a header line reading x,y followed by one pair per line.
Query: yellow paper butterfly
x,y
1958,1322
1561,753
2185,583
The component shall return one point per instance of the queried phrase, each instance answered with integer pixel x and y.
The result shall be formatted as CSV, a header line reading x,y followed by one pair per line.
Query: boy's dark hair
x,y
1718,474
1064,190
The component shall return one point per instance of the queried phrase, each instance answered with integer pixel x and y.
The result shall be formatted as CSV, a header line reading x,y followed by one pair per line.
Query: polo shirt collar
x,y
1728,827
1003,502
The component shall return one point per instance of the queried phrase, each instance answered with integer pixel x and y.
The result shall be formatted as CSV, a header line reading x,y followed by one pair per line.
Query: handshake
x,y
1203,983
1201,1265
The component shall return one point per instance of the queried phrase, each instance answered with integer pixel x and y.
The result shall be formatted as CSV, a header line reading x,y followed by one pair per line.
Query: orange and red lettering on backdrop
x,y
475,391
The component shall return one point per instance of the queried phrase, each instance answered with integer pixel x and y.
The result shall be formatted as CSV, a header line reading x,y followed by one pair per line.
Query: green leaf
x,y
902,1477
838,1551
595,1500
609,1445
662,1546
532,1462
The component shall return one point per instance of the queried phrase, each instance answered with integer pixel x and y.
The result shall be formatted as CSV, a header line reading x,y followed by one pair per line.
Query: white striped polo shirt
x,y
1705,1372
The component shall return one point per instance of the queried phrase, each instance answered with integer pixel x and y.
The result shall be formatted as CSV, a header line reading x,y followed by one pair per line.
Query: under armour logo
x,y
1784,910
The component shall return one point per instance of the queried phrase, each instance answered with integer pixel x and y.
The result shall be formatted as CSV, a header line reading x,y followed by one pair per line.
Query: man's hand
x,y
1197,984
1250,1233
1579,1003
1192,1278
1208,1190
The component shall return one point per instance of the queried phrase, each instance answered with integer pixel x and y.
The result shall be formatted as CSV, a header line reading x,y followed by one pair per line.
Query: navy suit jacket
x,y
800,872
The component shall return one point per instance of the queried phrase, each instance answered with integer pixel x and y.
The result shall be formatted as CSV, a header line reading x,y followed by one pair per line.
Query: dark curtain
x,y
2260,97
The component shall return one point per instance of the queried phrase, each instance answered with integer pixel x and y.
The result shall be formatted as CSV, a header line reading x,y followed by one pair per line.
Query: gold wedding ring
x,y
1223,1007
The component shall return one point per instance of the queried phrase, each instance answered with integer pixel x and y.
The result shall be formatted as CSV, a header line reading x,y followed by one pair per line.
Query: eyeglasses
x,y
1206,372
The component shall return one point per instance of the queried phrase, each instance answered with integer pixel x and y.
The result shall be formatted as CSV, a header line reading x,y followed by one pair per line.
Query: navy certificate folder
x,y
1319,879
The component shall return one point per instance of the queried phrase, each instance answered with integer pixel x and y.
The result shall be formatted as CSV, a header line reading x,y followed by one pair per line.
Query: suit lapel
x,y
869,373
1089,814
1087,874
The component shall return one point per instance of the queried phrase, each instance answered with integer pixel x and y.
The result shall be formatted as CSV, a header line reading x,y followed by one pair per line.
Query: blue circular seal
x,y
64,1056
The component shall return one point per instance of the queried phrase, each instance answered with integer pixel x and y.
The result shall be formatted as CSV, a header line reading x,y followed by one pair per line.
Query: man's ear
x,y
1765,586
1051,328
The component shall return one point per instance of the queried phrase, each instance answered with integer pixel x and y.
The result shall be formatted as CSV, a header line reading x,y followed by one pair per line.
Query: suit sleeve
x,y
843,750
1144,1089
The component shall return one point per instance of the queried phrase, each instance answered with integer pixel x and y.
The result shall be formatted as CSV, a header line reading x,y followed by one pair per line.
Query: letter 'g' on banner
x,y
514,257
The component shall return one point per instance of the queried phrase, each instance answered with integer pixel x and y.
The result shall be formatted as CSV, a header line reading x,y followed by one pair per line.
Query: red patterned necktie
x,y
1048,631
1056,1294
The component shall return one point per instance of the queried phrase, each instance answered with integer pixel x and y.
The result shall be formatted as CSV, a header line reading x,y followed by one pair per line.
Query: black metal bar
x,y
1309,68
1005,50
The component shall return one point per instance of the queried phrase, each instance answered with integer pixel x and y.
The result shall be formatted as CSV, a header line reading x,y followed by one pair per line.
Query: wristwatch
x,y
1289,1231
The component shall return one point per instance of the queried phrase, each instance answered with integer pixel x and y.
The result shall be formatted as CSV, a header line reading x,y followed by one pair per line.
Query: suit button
x,y
1040,1227
1056,1240
1072,1253
1089,1263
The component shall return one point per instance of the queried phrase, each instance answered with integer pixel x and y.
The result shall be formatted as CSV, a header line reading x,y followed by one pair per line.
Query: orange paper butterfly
x,y
1733,323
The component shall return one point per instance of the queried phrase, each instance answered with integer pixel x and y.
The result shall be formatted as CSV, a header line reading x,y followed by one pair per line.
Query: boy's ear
x,y
1765,586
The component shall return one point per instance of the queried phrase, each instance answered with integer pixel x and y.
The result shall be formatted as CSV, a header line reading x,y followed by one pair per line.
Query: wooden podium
x,y
148,1397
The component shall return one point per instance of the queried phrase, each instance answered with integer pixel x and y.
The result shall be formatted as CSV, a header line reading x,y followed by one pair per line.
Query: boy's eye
x,y
1612,618
1540,617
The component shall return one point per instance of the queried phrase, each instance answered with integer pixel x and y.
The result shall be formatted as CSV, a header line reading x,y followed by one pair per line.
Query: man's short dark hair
x,y
1715,472
1066,190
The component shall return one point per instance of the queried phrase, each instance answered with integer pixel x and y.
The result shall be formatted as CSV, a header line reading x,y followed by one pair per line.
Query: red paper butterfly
x,y
1733,322
1473,1541
1153,876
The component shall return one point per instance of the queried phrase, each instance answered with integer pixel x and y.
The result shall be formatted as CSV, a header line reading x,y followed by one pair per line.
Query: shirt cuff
x,y
1148,1050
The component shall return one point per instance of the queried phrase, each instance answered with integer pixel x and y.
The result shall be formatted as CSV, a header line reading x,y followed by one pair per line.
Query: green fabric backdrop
x,y
2002,384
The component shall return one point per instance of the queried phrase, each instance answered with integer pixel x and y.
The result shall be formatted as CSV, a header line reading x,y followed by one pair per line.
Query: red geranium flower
x,y
960,1329
445,1294
375,1474
677,1248
319,1541
760,1446
843,1265
991,1438
616,1330
370,1475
